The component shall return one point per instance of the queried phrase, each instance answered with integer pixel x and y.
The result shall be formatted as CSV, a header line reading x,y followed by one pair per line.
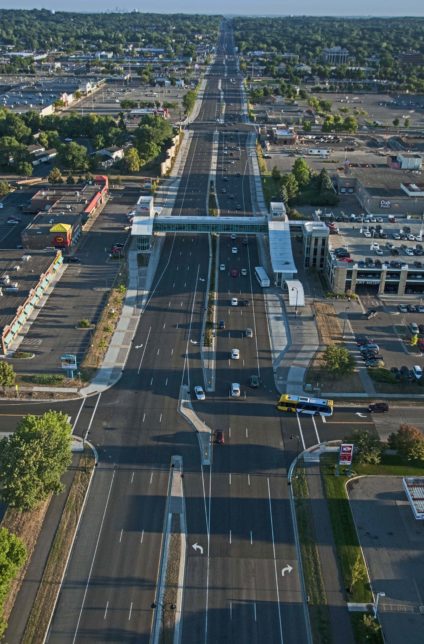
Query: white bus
x,y
261,276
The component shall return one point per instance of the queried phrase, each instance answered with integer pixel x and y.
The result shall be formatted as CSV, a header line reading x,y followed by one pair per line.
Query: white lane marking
x,y
230,537
120,536
173,285
151,478
247,433
93,559
181,304
275,562
169,304
229,432
151,381
132,477
129,616
164,325
144,350
172,352
142,536
107,606
229,478
231,610
185,284
92,416
323,419
300,431
78,414
251,538
144,418
316,429
158,352
177,327
160,418
254,610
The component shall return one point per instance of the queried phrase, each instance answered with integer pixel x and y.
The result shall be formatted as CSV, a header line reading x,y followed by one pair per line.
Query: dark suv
x,y
378,407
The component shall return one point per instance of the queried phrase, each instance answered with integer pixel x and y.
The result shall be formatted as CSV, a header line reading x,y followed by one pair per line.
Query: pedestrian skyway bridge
x,y
144,228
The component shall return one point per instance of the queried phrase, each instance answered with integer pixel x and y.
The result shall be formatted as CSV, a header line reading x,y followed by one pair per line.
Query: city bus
x,y
304,405
261,276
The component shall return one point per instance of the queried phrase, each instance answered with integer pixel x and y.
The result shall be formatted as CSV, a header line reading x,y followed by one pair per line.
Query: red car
x,y
234,272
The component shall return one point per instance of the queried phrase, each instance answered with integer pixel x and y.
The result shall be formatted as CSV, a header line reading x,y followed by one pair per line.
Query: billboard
x,y
346,454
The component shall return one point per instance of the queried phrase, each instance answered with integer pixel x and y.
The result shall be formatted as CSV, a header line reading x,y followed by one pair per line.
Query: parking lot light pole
x,y
376,603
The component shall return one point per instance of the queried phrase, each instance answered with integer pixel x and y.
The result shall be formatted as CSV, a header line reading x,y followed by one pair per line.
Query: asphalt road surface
x,y
239,589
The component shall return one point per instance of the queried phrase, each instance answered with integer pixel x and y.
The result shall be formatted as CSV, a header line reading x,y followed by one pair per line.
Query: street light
x,y
376,603
294,288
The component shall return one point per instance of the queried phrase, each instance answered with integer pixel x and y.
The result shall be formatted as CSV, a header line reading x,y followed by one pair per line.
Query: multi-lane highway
x,y
237,508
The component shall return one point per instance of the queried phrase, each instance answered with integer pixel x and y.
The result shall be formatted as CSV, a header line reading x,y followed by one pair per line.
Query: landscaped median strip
x,y
54,571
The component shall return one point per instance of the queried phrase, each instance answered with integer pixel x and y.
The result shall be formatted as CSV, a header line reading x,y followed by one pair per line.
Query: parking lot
x,y
393,545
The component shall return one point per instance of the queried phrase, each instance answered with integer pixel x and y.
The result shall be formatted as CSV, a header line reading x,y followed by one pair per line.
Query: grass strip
x,y
366,628
344,531
49,587
171,583
317,604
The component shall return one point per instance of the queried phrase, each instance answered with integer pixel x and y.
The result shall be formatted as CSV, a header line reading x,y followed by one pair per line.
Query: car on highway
x,y
234,250
254,381
222,267
235,390
378,407
234,272
244,272
235,354
234,301
199,393
219,437
245,241
12,221
249,332
417,371
244,302
233,236
221,324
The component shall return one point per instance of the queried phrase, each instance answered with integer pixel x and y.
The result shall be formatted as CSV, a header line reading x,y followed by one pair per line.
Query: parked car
x,y
371,346
372,364
414,328
71,259
417,371
370,314
403,308
199,393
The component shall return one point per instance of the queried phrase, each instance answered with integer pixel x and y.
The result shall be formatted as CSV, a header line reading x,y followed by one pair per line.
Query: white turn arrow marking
x,y
287,568
138,346
193,341
202,279
196,547
358,413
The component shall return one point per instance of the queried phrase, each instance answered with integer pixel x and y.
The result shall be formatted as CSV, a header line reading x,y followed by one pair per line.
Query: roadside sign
x,y
69,361
346,454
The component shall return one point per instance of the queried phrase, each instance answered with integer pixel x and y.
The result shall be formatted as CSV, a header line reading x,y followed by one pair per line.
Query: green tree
x,y
12,557
25,168
189,100
132,161
338,360
407,122
4,188
350,124
34,458
290,184
55,176
276,174
368,447
358,573
301,172
408,441
396,122
73,156
7,375
70,179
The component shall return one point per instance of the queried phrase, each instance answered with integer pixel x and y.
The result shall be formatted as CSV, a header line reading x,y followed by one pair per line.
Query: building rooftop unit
x,y
379,180
23,270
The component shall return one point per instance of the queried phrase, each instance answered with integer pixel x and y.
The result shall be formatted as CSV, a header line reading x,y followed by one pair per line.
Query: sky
x,y
233,7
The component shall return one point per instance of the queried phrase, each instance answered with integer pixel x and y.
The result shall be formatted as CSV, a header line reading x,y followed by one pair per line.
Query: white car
x,y
409,251
235,354
234,250
379,251
222,267
234,301
244,272
417,371
411,237
235,390
233,236
199,393
367,233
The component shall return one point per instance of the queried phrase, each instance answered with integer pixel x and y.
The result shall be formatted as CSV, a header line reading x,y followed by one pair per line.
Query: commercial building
x,y
335,55
24,279
61,214
405,161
